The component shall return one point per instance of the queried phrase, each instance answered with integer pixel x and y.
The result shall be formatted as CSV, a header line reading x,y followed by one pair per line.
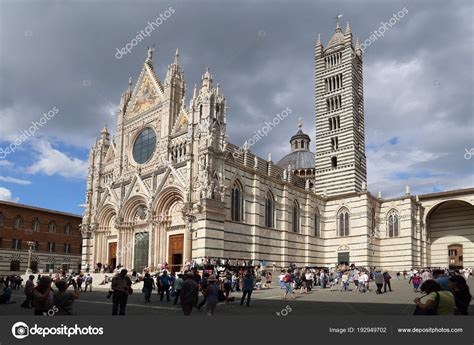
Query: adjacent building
x,y
47,240
169,187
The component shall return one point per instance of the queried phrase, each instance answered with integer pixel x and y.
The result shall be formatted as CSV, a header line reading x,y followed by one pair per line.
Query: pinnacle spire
x,y
300,123
176,57
348,28
318,42
149,59
195,92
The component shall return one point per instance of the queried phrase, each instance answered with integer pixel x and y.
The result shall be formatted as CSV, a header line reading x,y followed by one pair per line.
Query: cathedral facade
x,y
169,187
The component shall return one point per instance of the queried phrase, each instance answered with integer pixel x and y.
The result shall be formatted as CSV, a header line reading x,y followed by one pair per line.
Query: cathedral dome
x,y
300,157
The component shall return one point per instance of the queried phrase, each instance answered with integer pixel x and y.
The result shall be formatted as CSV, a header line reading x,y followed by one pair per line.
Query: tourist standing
x,y
177,287
416,280
43,296
29,286
63,299
189,293
386,282
378,279
122,288
438,302
247,289
355,280
148,286
203,286
212,294
164,286
88,282
458,286
288,281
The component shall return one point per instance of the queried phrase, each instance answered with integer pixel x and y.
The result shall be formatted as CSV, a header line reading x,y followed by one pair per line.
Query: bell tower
x,y
340,139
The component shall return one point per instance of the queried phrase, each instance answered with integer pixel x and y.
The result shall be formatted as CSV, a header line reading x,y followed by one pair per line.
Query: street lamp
x,y
30,249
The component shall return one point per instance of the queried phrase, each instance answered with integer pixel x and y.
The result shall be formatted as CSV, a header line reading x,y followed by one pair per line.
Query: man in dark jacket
x,y
189,293
386,279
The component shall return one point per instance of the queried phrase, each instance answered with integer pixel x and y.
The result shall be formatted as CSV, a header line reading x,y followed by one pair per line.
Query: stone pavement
x,y
267,302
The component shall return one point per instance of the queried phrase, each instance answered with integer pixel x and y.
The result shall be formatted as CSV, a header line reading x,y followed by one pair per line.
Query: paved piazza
x,y
265,302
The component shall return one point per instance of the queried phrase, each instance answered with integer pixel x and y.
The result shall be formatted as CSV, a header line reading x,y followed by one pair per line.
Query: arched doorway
x,y
450,234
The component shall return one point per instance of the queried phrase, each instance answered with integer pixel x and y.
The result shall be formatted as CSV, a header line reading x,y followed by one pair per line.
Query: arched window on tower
x,y
296,217
393,224
18,222
343,222
236,206
334,162
269,210
200,112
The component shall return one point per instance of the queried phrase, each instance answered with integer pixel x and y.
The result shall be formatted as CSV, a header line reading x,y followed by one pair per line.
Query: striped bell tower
x,y
340,140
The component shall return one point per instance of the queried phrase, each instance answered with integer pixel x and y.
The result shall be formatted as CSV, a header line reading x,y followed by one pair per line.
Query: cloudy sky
x,y
61,55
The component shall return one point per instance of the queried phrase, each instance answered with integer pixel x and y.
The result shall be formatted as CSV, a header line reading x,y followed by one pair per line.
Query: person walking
x,y
122,288
203,288
189,293
355,280
378,279
164,286
247,289
29,286
88,283
416,280
148,286
212,294
386,282
288,281
177,287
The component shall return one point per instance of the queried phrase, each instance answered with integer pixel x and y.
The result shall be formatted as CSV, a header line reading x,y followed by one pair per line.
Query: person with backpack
x,y
164,286
386,280
88,283
121,289
288,281
438,301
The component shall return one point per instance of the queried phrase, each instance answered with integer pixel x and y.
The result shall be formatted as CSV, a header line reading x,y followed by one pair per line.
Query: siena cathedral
x,y
169,187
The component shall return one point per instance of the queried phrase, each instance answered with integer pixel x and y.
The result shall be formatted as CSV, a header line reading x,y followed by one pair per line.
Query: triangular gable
x,y
181,123
137,186
108,195
110,156
148,92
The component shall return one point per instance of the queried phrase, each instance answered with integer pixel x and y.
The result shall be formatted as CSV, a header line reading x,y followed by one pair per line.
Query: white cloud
x,y
55,162
4,163
6,194
15,180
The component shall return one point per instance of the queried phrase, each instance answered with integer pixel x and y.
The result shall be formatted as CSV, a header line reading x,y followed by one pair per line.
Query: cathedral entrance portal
x,y
141,251
343,258
112,255
175,252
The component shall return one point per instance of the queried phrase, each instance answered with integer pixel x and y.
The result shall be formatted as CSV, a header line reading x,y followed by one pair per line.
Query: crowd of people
x,y
443,291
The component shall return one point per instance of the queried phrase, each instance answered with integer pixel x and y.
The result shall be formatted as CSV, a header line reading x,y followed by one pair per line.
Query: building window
x,y
334,162
35,225
18,222
36,246
51,248
67,229
393,224
49,267
16,244
52,226
343,222
317,224
2,219
236,202
269,211
67,248
144,146
14,265
335,143
296,217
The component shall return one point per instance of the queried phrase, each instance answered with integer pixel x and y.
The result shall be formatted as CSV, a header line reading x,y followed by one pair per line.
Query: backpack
x,y
431,311
286,279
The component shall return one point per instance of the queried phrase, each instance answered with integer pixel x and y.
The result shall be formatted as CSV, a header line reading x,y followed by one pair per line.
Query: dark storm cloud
x,y
262,53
